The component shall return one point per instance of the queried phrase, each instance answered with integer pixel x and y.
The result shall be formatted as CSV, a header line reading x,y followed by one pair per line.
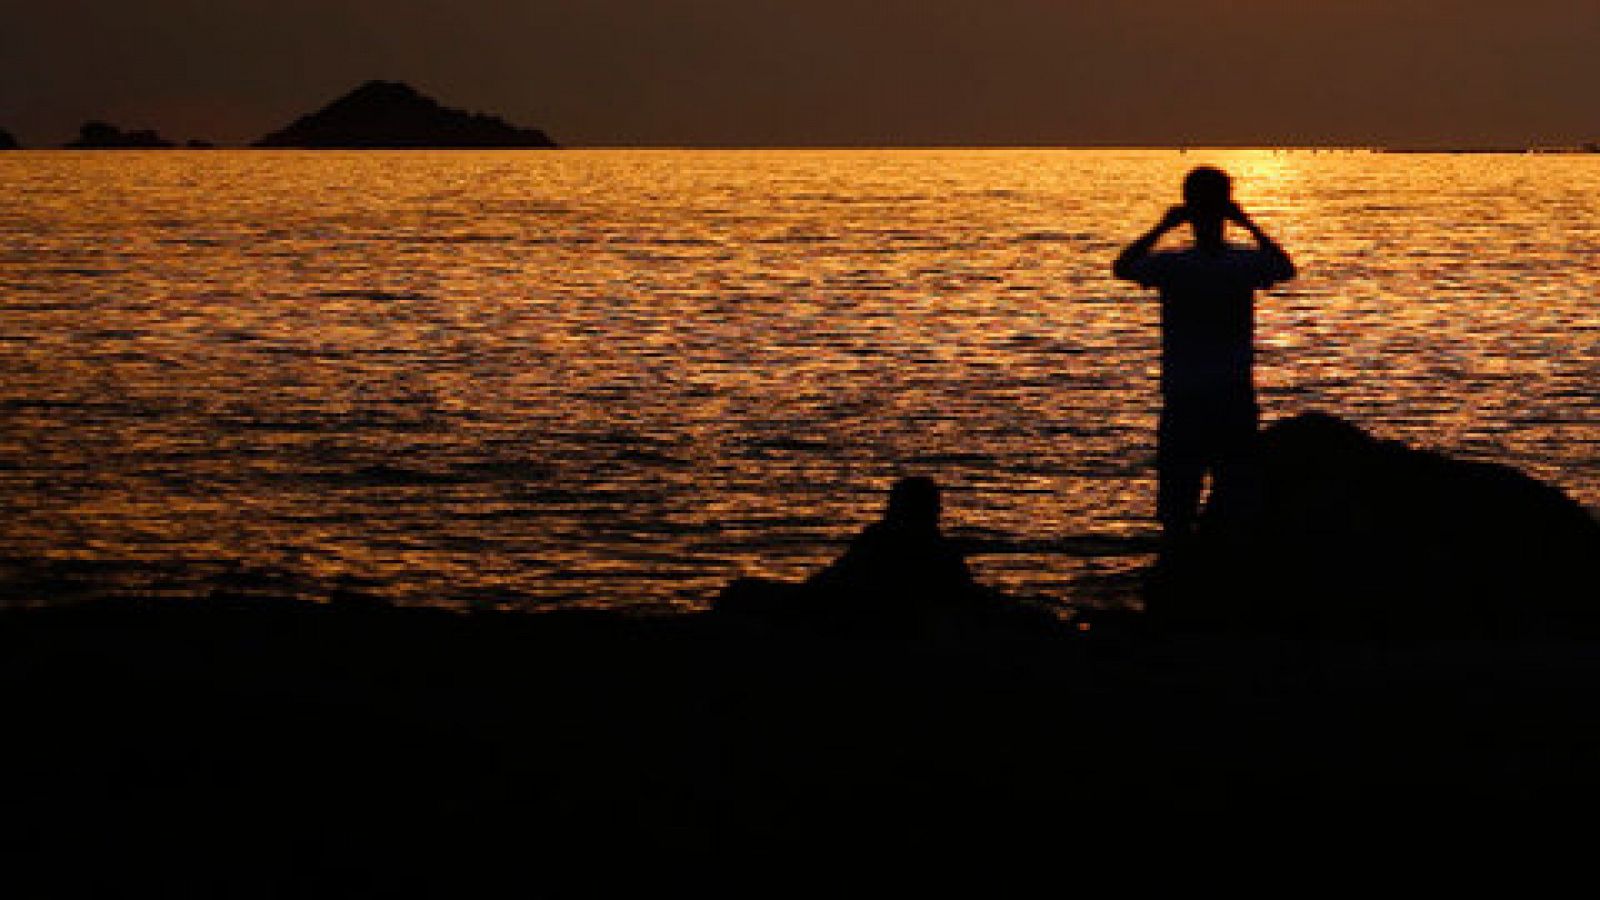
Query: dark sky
x,y
829,72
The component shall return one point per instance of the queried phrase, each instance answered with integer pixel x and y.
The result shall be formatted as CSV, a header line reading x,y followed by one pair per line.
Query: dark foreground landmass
x,y
313,750
248,747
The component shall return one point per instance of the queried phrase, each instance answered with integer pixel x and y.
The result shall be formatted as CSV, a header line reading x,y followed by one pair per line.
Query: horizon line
x,y
1580,148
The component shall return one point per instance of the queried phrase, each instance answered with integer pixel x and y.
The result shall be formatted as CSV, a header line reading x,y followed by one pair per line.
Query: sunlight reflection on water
x,y
628,376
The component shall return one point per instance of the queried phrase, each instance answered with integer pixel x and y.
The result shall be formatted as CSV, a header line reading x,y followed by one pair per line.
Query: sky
x,y
828,72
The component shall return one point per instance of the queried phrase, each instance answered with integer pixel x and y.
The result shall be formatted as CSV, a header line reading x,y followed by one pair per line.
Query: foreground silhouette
x,y
352,749
900,576
1332,531
1208,401
1343,532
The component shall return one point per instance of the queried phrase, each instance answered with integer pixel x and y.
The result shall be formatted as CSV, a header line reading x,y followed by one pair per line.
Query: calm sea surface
x,y
624,377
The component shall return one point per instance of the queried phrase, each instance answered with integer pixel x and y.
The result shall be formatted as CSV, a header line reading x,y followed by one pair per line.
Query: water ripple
x,y
624,378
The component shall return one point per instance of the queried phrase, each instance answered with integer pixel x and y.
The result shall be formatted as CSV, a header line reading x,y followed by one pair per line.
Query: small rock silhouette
x,y
103,136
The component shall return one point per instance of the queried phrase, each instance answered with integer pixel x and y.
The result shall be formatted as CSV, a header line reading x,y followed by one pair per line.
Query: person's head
x,y
1208,195
913,503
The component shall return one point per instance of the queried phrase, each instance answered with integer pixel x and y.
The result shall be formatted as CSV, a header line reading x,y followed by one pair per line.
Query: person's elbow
x,y
1123,268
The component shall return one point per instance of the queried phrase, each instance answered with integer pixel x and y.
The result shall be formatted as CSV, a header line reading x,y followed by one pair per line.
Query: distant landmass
x,y
7,142
394,115
1591,147
101,136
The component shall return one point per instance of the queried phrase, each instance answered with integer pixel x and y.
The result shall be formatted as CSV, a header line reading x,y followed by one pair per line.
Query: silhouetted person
x,y
1208,412
901,566
900,576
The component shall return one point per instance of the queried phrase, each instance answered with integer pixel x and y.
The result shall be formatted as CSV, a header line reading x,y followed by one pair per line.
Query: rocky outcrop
x,y
102,136
389,114
1344,532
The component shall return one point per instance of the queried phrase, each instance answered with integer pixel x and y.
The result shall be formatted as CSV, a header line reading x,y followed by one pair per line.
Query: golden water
x,y
628,376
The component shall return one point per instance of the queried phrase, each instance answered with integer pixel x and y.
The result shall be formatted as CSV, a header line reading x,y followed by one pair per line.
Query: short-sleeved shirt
x,y
1208,313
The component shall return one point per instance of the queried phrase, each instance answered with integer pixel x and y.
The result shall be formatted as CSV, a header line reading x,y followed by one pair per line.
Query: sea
x,y
622,378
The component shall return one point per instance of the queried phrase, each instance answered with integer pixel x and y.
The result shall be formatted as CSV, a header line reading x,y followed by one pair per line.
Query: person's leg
x,y
1180,470
1235,421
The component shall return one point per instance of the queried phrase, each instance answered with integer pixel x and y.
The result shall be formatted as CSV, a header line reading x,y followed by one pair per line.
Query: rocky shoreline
x,y
349,748
342,751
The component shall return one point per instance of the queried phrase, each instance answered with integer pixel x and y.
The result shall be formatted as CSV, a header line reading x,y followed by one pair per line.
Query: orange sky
x,y
787,72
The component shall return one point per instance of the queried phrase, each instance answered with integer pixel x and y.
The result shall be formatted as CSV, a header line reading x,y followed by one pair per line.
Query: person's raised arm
x,y
1282,267
1124,267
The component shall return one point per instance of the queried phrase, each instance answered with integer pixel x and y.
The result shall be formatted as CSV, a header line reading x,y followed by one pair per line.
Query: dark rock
x,y
1344,532
7,142
390,114
101,136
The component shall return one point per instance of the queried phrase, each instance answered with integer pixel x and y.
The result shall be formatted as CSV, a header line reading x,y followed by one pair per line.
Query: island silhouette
x,y
7,142
395,115
98,135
